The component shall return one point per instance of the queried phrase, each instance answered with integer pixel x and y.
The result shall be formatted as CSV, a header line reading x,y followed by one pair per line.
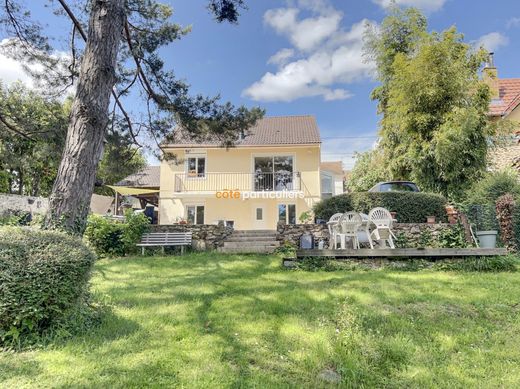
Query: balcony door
x,y
273,173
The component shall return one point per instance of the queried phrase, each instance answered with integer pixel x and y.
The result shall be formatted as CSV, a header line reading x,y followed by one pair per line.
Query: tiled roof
x,y
269,131
335,167
149,177
509,97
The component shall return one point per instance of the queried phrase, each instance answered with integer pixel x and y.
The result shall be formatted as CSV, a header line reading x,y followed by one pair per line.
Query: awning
x,y
127,191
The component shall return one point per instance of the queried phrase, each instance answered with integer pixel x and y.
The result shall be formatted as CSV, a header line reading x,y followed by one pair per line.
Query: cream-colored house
x,y
505,104
272,174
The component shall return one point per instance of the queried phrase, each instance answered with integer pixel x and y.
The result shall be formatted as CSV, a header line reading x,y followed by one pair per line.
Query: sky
x,y
305,57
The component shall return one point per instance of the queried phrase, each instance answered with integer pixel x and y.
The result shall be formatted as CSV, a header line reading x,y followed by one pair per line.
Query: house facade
x,y
272,174
332,179
505,104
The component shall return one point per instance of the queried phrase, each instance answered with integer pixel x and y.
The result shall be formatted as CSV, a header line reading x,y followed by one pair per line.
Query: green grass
x,y
209,321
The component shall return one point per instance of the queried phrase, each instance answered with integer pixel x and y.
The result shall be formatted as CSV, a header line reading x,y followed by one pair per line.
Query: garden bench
x,y
163,239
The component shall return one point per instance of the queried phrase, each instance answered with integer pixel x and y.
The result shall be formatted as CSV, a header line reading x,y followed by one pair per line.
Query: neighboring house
x,y
505,104
332,179
272,174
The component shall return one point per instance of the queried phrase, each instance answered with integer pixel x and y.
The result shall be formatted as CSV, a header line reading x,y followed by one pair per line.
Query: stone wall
x,y
205,236
11,203
411,232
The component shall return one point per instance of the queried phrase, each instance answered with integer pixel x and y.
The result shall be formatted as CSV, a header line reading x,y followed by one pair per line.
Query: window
x,y
197,167
287,213
195,214
326,186
273,173
259,214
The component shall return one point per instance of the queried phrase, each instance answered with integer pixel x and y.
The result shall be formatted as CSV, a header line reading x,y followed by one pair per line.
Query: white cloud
x,y
305,34
492,41
12,71
324,55
281,57
513,22
425,5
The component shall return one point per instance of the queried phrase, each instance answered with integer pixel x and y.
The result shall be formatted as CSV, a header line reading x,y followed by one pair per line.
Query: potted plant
x,y
483,218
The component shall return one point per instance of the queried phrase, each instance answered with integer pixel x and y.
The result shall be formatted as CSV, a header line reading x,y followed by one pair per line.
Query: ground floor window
x,y
287,213
195,214
259,214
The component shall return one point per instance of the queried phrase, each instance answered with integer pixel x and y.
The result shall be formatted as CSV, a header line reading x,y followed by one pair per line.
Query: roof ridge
x,y
288,116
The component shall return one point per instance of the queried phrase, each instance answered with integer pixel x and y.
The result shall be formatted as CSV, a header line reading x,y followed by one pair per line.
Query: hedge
x,y
114,238
410,207
43,275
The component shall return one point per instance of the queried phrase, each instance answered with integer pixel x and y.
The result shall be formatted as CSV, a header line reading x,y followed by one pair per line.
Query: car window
x,y
398,187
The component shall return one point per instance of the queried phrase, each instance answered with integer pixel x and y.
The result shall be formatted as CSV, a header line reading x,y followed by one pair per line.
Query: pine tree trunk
x,y
72,190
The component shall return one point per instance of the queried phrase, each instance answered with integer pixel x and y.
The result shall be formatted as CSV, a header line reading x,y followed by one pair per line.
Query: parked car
x,y
395,186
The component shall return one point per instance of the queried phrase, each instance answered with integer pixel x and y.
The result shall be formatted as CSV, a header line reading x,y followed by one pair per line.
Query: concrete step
x,y
247,250
259,238
254,232
228,244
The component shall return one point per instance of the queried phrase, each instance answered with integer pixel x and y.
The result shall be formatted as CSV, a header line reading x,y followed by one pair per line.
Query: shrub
x,y
505,208
410,207
492,186
43,276
114,238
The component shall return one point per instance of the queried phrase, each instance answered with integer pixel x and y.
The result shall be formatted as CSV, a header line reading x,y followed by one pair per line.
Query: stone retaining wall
x,y
411,232
205,236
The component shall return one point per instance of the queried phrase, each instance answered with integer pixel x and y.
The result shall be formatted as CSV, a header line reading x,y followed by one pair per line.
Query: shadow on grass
x,y
208,320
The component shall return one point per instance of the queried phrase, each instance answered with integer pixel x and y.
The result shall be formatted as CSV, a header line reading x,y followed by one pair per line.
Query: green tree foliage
x,y
434,128
32,135
370,168
121,158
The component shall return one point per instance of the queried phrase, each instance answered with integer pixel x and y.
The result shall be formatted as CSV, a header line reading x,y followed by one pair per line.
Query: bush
x,y
492,186
114,238
410,207
43,276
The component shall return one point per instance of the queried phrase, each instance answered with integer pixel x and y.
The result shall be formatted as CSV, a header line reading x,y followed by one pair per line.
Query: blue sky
x,y
305,57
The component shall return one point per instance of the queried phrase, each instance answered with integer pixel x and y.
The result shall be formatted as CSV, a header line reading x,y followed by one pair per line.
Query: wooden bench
x,y
163,239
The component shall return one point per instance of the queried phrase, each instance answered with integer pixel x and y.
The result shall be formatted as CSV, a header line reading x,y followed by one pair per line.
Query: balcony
x,y
252,182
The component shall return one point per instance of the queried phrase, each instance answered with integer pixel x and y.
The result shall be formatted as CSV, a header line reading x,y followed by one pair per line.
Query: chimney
x,y
490,77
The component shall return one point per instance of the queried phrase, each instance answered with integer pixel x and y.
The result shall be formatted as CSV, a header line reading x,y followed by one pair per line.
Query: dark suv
x,y
395,186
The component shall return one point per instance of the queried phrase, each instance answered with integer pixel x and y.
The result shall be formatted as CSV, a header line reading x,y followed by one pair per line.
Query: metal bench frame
x,y
164,239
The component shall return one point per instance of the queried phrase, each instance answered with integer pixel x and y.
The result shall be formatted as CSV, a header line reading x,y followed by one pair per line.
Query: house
x,y
332,179
272,174
505,104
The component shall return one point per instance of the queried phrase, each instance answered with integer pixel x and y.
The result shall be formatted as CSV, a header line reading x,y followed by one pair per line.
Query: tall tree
x,y
32,135
121,51
434,128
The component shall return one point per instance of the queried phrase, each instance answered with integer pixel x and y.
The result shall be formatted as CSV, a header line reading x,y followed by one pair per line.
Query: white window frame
x,y
196,157
195,205
272,155
287,212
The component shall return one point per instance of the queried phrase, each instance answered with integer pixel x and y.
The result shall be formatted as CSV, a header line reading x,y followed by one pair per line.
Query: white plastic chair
x,y
334,229
349,224
381,218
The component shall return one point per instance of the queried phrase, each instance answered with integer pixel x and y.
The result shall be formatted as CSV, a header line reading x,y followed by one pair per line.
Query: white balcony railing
x,y
257,182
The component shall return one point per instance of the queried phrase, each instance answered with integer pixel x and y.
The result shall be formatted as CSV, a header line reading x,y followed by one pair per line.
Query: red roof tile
x,y
509,97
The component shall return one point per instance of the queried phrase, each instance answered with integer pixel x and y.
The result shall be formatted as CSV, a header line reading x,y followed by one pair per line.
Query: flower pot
x,y
487,239
430,219
394,215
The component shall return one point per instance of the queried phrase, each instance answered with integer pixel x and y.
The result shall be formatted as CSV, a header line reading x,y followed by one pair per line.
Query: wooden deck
x,y
401,253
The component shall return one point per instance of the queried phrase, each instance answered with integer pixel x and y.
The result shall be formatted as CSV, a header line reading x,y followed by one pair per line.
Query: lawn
x,y
210,320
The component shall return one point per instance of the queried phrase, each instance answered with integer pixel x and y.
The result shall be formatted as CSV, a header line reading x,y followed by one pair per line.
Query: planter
x,y
430,220
394,215
487,239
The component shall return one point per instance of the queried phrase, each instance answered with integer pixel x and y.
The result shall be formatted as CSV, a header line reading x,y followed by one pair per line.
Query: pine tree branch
x,y
13,128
